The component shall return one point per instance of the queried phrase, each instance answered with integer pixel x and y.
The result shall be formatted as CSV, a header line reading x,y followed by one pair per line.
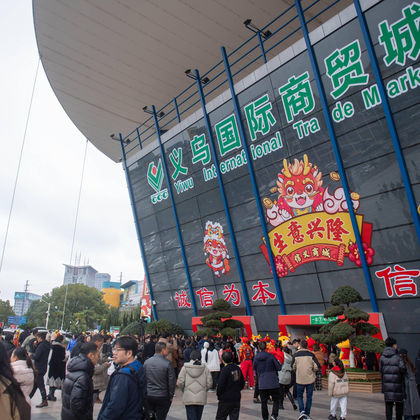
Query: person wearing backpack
x,y
229,387
286,378
127,387
246,355
338,389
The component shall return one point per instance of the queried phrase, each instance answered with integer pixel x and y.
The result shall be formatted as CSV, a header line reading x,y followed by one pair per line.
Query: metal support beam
x,y
138,231
171,197
222,192
337,155
260,41
253,180
389,119
177,110
138,138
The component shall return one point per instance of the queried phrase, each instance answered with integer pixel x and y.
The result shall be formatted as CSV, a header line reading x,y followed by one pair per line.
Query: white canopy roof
x,y
106,59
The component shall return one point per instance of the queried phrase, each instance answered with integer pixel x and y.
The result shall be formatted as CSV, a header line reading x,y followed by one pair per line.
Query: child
x,y
338,388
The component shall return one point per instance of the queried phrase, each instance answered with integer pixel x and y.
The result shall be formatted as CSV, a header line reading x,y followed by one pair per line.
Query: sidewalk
x,y
360,407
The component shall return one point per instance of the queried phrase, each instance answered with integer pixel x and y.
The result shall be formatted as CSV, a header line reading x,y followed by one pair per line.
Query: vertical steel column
x,y
171,196
337,155
138,137
253,180
177,110
261,46
137,224
389,119
222,191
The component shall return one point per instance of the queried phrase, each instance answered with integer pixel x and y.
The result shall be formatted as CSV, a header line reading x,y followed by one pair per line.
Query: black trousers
x,y
275,396
215,377
160,406
398,410
256,389
225,409
285,391
39,383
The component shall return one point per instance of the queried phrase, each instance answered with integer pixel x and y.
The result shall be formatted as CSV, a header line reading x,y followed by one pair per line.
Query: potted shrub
x,y
352,324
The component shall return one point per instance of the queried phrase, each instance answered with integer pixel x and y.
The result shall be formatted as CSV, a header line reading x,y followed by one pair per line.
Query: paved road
x,y
360,407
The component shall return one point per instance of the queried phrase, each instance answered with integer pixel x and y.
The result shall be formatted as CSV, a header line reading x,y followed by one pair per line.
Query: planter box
x,y
367,387
366,375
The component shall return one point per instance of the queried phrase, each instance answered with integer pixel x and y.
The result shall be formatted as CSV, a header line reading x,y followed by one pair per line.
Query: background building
x,y
23,301
112,296
84,274
132,294
102,280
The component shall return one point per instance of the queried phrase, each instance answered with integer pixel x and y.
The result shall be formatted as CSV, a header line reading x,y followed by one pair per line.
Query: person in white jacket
x,y
210,357
194,380
23,371
338,389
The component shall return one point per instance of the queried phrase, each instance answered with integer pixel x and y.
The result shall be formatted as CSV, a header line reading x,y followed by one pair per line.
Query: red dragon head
x,y
299,183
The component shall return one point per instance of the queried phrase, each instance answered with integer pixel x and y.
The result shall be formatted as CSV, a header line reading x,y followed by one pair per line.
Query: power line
x,y
75,228
19,164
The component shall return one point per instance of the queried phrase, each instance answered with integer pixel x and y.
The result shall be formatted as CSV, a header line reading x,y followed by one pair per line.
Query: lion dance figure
x,y
300,190
215,248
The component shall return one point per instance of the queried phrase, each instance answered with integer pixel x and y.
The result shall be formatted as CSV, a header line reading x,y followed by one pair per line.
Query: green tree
x,y
84,307
351,323
213,324
112,318
5,310
161,326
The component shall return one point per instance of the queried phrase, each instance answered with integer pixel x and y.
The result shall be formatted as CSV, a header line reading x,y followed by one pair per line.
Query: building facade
x,y
23,301
288,169
84,274
248,199
132,294
112,296
102,280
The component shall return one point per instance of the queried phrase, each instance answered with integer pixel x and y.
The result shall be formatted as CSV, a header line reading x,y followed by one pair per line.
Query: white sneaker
x,y
302,416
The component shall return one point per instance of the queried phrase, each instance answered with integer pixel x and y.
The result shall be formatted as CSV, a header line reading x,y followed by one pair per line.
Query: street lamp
x,y
48,313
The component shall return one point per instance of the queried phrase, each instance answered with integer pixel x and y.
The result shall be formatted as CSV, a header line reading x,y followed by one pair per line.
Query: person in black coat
x,y
229,386
8,344
40,358
418,371
57,370
76,348
25,333
77,391
392,369
149,348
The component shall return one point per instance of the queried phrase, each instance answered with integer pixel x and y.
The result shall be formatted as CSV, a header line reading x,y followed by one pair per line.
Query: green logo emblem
x,y
155,175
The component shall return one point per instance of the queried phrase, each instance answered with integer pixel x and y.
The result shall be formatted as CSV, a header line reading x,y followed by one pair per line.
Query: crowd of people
x,y
140,376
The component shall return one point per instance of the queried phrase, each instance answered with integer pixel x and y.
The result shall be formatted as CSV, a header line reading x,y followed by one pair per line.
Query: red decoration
x,y
205,295
355,256
262,293
182,299
404,284
232,294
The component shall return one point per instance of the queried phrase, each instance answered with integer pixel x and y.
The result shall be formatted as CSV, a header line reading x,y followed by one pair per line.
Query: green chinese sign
x,y
346,74
319,319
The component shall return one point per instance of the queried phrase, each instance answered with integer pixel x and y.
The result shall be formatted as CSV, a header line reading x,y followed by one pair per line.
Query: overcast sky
x,y
41,229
